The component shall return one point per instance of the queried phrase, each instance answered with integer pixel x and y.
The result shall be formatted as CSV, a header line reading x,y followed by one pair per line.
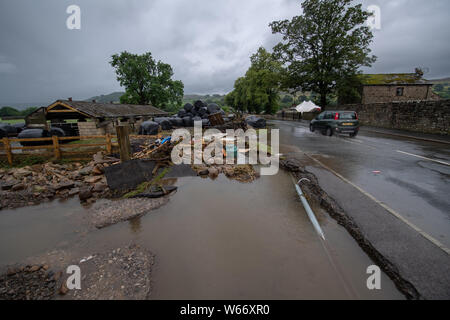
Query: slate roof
x,y
111,110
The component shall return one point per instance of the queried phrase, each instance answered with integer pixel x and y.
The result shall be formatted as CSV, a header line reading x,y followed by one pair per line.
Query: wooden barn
x,y
82,118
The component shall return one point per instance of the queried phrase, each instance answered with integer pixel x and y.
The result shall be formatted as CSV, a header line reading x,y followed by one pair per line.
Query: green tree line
x,y
12,112
321,51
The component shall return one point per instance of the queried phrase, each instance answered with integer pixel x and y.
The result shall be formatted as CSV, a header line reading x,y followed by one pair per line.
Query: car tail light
x,y
336,116
356,115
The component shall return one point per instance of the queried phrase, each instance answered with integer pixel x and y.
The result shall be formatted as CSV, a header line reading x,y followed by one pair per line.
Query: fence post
x,y
108,144
124,143
8,150
56,147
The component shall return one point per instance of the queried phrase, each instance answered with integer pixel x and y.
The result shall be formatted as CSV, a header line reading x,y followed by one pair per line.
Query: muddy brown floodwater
x,y
214,240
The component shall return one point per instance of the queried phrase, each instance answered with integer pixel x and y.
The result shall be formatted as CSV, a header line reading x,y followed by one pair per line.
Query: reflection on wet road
x,y
409,176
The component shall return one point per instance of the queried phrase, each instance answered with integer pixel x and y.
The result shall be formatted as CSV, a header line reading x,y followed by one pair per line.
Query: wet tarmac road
x,y
413,177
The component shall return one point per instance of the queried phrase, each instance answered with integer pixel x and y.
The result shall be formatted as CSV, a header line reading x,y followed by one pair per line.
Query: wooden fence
x,y
57,149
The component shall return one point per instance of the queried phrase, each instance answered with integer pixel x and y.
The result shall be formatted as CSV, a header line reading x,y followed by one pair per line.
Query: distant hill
x,y
114,97
437,81
441,87
208,98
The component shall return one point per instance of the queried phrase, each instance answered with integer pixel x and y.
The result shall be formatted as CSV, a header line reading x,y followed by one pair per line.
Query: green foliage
x,y
12,112
147,80
442,90
329,42
258,90
214,98
23,161
349,90
9,111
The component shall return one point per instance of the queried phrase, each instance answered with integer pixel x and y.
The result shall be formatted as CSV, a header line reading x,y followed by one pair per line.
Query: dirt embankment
x,y
315,193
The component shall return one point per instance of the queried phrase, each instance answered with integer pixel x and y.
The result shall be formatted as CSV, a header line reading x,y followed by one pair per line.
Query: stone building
x,y
385,88
82,118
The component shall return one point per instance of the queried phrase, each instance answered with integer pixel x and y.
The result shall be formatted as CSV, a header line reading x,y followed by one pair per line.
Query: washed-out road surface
x,y
395,188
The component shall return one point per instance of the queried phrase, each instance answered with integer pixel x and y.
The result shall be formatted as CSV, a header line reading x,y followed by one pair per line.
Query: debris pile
x,y
29,283
122,273
186,117
38,183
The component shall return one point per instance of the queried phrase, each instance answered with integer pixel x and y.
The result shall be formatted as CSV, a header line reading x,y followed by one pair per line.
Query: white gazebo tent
x,y
307,106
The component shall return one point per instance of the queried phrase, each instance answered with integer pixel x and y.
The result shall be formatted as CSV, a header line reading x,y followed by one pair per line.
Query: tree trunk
x,y
323,100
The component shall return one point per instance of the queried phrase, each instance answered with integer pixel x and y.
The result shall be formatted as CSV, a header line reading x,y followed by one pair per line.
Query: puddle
x,y
214,240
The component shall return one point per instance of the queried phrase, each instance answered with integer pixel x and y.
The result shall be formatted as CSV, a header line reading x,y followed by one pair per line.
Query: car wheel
x,y
311,128
329,132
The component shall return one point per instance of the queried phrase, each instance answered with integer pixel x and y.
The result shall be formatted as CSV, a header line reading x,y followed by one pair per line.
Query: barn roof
x,y
392,79
105,110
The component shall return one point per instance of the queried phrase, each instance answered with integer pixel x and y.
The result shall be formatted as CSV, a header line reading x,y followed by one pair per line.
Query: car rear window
x,y
347,116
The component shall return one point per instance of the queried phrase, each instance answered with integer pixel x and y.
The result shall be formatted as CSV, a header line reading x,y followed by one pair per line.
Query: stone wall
x,y
388,93
418,116
90,129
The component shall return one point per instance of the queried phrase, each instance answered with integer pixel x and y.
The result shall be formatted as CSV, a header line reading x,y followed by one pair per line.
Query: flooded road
x,y
214,240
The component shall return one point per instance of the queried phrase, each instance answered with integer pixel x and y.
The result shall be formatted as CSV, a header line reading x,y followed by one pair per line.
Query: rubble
x,y
28,283
32,185
122,273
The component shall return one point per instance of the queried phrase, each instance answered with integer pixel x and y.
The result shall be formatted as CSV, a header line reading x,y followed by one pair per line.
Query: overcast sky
x,y
207,42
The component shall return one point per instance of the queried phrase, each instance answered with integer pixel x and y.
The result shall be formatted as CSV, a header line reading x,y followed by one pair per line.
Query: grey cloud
x,y
208,43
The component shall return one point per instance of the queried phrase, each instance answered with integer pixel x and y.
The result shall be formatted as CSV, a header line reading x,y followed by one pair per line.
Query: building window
x,y
400,92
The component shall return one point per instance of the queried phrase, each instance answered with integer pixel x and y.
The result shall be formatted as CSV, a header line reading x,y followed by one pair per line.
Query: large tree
x,y
147,80
259,89
328,42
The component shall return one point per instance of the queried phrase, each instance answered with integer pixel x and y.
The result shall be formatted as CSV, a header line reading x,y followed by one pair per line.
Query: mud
x,y
111,212
315,193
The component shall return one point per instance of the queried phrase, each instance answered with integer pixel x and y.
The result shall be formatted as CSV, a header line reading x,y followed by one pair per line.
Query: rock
x,y
18,187
39,189
204,172
98,170
21,173
93,180
86,171
64,186
99,187
229,172
58,276
7,185
63,289
213,173
12,271
98,157
74,191
34,268
85,194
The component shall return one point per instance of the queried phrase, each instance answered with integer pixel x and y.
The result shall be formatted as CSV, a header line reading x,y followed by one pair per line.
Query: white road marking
x,y
425,158
390,210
